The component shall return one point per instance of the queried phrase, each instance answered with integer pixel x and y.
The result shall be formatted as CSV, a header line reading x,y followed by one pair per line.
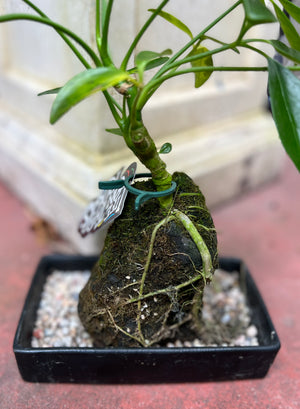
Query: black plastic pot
x,y
141,365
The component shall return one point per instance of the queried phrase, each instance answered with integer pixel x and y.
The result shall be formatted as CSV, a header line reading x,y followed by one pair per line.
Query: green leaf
x,y
287,27
82,86
115,131
143,59
166,148
49,91
257,13
151,64
284,90
201,77
292,9
286,51
175,21
146,56
156,63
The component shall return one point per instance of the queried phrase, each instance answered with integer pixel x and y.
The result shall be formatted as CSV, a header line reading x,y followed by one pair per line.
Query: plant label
x,y
107,206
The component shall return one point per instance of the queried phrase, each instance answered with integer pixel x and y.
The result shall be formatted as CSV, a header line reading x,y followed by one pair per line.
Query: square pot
x,y
141,365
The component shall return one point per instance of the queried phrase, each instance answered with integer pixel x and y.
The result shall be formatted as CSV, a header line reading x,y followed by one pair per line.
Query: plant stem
x,y
57,27
104,42
196,38
199,69
140,34
196,57
66,40
97,26
150,88
112,106
142,145
257,50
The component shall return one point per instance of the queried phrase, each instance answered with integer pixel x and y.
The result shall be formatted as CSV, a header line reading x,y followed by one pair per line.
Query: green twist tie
x,y
142,195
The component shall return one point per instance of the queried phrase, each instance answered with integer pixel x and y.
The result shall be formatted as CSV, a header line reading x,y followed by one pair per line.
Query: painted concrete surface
x,y
262,228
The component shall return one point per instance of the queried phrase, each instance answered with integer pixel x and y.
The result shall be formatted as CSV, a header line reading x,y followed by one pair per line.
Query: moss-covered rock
x,y
150,274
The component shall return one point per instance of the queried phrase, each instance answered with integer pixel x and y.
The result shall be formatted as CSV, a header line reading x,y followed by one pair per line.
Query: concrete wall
x,y
221,135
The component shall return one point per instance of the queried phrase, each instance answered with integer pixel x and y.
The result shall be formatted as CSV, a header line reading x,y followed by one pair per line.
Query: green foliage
x,y
82,86
288,28
292,9
166,148
49,92
257,13
202,76
175,21
196,56
283,49
284,90
144,58
115,131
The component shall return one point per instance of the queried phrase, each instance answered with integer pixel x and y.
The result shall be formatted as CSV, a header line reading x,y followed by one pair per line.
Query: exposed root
x,y
140,340
205,274
200,243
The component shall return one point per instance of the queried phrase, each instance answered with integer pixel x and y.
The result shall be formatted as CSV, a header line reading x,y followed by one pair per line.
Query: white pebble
x,y
197,343
57,317
251,331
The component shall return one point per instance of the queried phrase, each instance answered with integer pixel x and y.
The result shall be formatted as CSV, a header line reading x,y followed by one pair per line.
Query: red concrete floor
x,y
263,228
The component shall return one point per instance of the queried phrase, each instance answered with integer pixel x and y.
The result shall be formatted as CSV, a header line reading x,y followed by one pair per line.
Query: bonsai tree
x,y
158,255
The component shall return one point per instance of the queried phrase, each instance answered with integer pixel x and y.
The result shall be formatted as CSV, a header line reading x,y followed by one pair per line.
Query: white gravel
x,y
58,324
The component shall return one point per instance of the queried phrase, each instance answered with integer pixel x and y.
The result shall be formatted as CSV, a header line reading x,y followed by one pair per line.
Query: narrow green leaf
x,y
49,91
115,131
201,77
286,51
144,58
175,21
156,63
257,13
82,86
284,90
151,64
287,27
292,9
166,148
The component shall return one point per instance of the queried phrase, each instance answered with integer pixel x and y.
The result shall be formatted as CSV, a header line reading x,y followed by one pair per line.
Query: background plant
x,y
101,73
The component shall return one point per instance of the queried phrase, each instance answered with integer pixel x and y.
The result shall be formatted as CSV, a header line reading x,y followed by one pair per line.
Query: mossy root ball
x,y
147,286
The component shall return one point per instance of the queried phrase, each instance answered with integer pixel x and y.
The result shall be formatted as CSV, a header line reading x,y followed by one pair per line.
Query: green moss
x,y
134,297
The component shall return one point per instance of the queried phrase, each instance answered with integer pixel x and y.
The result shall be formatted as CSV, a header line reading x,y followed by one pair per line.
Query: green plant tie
x,y
142,195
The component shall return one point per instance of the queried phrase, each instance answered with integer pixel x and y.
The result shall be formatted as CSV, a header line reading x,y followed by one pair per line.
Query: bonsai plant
x,y
159,254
